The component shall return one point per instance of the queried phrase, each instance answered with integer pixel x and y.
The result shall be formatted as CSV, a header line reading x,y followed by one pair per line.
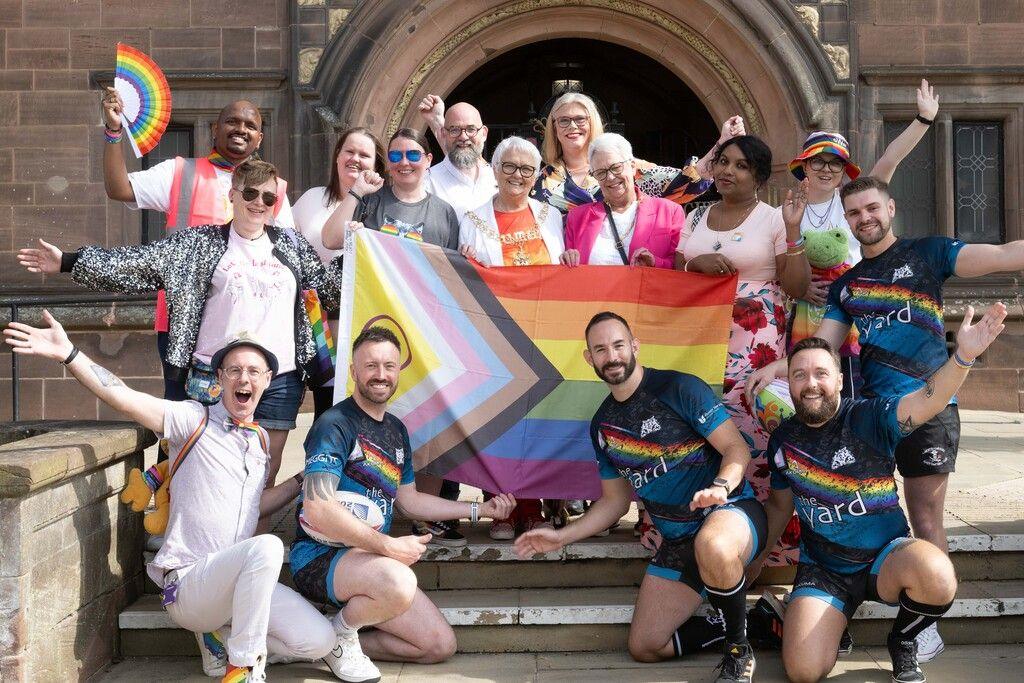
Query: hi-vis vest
x,y
196,199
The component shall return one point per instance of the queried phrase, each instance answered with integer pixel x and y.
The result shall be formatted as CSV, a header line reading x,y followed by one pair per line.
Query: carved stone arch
x,y
755,57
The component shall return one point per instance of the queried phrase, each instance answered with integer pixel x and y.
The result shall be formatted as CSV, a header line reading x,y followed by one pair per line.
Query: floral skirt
x,y
757,338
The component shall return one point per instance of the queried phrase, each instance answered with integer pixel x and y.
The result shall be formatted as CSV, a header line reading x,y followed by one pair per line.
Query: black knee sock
x,y
697,633
914,617
732,603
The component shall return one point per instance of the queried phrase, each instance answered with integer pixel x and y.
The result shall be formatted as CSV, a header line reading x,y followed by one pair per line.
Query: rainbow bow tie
x,y
232,423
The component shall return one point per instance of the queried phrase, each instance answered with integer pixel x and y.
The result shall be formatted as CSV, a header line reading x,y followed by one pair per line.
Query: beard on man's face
x,y
827,406
611,366
464,157
378,394
876,237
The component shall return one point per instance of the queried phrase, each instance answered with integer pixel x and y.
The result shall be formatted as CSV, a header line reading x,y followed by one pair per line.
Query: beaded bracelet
x,y
795,253
113,136
961,362
794,245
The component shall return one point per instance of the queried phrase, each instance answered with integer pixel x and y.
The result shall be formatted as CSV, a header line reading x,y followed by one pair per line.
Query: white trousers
x,y
239,585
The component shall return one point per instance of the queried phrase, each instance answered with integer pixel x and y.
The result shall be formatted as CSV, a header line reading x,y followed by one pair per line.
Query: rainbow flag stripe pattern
x,y
494,389
880,298
325,351
236,674
147,97
627,451
806,317
375,470
811,480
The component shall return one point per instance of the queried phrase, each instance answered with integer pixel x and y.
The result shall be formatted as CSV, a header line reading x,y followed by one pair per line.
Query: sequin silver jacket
x,y
183,265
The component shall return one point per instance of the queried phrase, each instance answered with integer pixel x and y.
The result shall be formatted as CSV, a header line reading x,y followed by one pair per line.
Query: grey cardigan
x,y
183,265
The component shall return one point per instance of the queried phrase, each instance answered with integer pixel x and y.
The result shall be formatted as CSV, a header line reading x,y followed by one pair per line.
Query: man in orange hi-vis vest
x,y
190,192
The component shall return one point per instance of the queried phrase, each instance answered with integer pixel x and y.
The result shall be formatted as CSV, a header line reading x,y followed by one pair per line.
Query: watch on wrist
x,y
724,483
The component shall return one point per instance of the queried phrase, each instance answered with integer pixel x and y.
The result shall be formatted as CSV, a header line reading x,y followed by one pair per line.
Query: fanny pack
x,y
201,384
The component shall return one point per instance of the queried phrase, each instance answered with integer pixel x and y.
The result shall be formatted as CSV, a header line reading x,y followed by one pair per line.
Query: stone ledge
x,y
45,452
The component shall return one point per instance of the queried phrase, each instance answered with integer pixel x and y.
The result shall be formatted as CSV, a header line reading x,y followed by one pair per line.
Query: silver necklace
x,y
817,221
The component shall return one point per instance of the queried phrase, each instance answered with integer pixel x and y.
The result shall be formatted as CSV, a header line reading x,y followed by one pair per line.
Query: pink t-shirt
x,y
252,291
751,247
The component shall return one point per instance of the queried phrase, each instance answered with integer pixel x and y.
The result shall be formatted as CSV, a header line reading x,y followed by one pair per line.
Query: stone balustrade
x,y
70,557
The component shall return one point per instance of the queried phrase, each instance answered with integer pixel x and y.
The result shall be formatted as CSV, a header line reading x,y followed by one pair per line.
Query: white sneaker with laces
x,y
348,662
929,644
214,656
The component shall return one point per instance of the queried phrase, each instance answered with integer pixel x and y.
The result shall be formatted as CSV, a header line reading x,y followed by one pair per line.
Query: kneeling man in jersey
x,y
359,448
834,461
667,436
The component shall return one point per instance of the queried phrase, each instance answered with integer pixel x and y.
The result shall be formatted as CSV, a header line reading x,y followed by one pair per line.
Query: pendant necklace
x,y
737,236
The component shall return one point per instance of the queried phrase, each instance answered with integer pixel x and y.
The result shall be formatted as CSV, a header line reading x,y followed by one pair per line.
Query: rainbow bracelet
x,y
113,136
961,362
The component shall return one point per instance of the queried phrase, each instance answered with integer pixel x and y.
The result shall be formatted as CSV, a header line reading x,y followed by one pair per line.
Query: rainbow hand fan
x,y
146,95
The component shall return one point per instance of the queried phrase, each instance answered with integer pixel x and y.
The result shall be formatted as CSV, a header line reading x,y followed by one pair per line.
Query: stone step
x,y
619,560
597,619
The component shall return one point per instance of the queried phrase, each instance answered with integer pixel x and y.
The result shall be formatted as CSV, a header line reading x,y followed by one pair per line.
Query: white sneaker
x,y
213,653
348,662
929,644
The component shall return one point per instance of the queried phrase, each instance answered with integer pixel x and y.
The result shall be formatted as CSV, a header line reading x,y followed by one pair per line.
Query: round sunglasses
x,y
413,155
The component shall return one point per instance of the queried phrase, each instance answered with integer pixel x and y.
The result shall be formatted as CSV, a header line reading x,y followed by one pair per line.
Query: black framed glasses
x,y
614,169
251,193
525,171
835,165
456,131
566,121
413,155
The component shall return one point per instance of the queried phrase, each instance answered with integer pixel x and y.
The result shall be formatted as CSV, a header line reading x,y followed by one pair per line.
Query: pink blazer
x,y
658,222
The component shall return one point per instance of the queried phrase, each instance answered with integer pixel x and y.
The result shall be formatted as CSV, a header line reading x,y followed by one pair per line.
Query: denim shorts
x,y
280,402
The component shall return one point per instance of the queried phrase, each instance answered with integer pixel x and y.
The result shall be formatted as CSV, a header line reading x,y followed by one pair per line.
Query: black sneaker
x,y
845,643
904,661
443,533
737,666
764,622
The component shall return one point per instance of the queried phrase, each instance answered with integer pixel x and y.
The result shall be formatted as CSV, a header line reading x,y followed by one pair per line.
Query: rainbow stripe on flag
x,y
494,389
326,354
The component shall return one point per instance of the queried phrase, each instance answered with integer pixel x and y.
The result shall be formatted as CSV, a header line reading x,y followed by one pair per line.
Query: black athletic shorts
x,y
845,592
931,448
315,581
676,559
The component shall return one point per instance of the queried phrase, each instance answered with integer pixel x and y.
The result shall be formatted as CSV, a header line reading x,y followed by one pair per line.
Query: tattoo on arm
x,y
929,387
320,485
106,377
907,426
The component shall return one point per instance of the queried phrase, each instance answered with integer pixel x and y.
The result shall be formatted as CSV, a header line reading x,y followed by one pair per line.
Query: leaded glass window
x,y
978,181
913,185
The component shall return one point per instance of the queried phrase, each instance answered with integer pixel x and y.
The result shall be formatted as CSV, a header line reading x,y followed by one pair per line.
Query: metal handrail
x,y
18,301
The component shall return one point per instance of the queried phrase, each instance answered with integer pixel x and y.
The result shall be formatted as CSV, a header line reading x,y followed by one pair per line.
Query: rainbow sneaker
x,y
213,653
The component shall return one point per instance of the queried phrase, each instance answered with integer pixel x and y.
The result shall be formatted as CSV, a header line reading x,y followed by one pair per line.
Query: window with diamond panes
x,y
176,142
978,181
913,185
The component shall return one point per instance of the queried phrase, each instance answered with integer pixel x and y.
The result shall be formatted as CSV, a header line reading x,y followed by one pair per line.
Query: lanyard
x,y
615,232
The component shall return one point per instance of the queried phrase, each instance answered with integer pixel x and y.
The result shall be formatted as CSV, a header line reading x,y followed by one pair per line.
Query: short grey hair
x,y
610,142
514,144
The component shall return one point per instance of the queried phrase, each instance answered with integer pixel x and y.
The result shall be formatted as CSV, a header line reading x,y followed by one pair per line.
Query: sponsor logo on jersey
x,y
649,426
842,457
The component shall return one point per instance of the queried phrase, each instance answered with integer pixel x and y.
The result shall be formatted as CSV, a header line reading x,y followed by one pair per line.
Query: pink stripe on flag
x,y
565,479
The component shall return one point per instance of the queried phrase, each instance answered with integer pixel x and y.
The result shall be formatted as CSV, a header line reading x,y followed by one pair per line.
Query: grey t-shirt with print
x,y
430,220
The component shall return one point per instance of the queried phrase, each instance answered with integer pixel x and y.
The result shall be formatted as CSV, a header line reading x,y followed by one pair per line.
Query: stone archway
x,y
755,57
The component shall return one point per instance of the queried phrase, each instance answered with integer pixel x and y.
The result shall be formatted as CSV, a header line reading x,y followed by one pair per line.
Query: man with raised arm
x,y
834,462
358,447
211,567
667,436
894,297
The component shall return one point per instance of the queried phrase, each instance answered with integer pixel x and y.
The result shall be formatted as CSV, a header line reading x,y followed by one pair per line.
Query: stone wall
x,y
70,552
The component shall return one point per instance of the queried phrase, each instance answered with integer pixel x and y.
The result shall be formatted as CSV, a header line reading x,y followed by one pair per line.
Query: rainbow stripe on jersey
x,y
877,299
627,451
376,469
810,480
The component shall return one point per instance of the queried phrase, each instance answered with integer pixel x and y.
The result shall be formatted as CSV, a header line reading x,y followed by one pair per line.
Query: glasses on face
x,y
413,155
525,171
250,194
578,121
235,372
456,131
614,169
834,165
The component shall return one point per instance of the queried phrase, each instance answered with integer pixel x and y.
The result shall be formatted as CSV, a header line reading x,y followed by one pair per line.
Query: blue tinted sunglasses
x,y
413,155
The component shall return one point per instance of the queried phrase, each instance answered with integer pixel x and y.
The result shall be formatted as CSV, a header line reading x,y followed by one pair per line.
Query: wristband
x,y
71,356
474,512
686,266
358,198
794,245
795,253
923,120
299,477
113,137
961,362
